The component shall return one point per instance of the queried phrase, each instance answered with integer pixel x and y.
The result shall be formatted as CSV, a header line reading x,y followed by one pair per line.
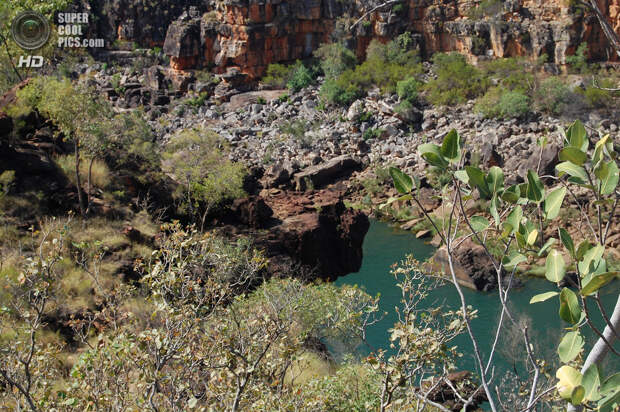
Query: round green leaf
x,y
597,282
570,346
608,174
591,382
591,259
573,155
432,154
553,203
577,396
450,146
572,170
477,180
567,241
495,180
479,223
570,311
511,224
512,194
402,181
577,135
513,260
555,267
535,188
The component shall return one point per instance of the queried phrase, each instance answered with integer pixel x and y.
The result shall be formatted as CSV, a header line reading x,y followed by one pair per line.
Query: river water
x,y
385,245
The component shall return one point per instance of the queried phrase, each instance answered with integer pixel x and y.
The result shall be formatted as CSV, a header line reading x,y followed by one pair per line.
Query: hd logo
x,y
30,61
31,31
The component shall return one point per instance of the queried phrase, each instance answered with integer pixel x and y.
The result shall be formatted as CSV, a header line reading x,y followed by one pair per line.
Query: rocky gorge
x,y
322,157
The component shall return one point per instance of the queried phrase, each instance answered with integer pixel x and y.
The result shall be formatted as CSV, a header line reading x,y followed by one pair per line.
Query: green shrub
x,y
301,77
197,101
385,66
197,159
502,103
514,104
485,8
595,97
277,75
365,117
552,96
578,62
456,82
403,107
100,174
335,59
340,91
512,73
7,178
372,133
408,89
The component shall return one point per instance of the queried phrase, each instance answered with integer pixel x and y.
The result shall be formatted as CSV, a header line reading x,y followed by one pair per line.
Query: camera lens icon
x,y
30,30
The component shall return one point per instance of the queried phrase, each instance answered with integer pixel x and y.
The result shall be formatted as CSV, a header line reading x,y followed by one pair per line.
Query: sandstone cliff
x,y
250,34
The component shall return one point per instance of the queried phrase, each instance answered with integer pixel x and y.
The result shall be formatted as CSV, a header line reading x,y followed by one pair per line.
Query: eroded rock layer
x,y
250,34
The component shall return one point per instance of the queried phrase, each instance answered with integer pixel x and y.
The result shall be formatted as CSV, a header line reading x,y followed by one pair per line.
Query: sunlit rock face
x,y
251,34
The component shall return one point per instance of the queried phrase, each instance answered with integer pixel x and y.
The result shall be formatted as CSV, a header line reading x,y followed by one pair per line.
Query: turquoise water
x,y
385,245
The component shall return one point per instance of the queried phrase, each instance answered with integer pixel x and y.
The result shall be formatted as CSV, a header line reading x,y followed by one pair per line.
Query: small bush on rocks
x,y
277,75
511,73
385,66
301,77
501,103
578,62
456,82
552,96
335,59
408,89
598,98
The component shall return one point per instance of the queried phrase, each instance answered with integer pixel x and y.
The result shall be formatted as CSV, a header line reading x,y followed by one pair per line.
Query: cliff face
x,y
251,34
144,22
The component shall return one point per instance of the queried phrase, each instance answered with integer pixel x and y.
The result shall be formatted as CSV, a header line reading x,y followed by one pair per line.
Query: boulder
x,y
183,44
252,211
548,161
328,241
472,267
355,110
155,78
325,173
489,156
277,174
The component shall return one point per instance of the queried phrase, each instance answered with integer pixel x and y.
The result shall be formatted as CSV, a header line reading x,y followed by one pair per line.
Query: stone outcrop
x,y
313,230
142,22
472,267
321,174
251,34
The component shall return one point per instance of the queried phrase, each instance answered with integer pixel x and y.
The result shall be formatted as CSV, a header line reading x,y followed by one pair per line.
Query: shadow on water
x,y
386,245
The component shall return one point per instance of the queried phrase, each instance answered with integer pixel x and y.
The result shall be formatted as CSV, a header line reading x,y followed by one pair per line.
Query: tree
x,y
27,366
75,111
216,338
420,340
519,216
196,159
